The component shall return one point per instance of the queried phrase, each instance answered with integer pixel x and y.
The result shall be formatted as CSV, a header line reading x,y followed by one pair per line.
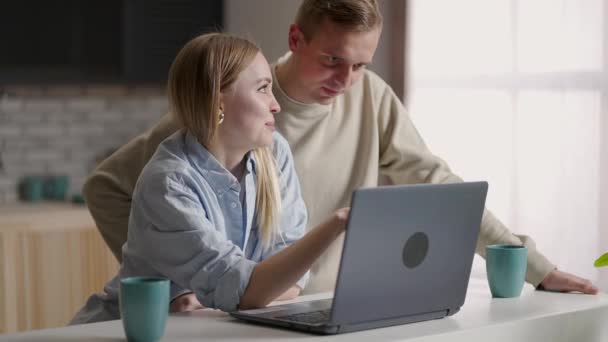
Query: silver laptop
x,y
407,257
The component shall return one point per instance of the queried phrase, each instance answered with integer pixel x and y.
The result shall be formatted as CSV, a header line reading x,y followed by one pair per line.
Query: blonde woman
x,y
218,208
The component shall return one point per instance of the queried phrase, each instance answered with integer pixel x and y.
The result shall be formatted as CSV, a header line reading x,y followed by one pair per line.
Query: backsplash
x,y
48,131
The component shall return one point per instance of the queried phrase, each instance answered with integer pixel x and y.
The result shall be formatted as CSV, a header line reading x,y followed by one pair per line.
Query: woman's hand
x,y
274,276
185,302
340,218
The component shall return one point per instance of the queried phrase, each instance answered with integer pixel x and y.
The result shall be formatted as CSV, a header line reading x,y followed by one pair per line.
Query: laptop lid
x,y
408,251
407,257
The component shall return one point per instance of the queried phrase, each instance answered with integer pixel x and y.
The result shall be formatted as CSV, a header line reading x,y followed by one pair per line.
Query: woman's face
x,y
249,108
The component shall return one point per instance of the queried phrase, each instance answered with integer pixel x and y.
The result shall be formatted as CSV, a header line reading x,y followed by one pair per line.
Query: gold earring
x,y
221,118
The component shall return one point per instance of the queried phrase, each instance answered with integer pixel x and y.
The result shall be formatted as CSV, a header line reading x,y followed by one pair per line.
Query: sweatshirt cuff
x,y
538,268
538,265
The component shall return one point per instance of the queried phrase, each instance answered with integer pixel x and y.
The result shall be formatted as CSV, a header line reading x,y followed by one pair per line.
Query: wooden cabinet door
x,y
46,275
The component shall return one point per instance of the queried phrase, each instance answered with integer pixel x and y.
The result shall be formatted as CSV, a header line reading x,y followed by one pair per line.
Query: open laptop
x,y
407,257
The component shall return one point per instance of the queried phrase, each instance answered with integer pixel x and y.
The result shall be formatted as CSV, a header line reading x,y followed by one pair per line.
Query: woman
x,y
218,208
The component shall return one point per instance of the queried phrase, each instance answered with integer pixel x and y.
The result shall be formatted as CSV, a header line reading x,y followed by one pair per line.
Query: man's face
x,y
331,61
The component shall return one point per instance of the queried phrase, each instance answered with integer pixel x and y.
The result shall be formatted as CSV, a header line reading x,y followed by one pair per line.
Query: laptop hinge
x,y
450,312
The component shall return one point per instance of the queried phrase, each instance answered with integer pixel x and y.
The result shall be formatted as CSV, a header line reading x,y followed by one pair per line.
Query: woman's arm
x,y
168,216
275,275
189,302
292,293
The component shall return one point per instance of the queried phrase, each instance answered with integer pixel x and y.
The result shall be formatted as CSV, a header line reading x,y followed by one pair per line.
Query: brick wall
x,y
66,130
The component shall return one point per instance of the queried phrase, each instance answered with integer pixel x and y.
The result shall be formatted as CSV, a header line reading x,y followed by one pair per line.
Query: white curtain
x,y
516,93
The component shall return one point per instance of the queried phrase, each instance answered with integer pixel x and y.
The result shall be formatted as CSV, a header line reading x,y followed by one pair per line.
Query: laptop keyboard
x,y
308,317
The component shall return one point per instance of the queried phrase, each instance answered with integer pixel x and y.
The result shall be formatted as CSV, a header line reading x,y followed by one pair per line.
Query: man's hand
x,y
565,282
185,302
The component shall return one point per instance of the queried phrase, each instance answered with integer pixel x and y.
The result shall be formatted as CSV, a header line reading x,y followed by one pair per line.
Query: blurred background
x,y
512,92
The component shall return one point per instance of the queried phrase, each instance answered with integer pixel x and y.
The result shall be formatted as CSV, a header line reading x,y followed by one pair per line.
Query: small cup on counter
x,y
506,269
31,188
56,187
34,188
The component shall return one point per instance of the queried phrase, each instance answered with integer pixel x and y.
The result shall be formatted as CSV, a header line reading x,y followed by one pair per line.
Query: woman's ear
x,y
221,105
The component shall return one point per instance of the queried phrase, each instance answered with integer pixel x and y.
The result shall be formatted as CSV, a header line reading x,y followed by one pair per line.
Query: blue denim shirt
x,y
188,224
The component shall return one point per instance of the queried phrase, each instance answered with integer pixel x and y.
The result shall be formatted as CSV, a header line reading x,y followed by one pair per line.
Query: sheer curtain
x,y
516,93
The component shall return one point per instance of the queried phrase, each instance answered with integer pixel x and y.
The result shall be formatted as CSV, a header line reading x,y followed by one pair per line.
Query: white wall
x,y
267,23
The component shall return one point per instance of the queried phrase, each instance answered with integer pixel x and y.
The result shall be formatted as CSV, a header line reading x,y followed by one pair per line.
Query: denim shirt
x,y
188,224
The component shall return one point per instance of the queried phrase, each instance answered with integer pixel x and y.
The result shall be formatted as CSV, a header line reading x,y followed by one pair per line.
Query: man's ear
x,y
296,37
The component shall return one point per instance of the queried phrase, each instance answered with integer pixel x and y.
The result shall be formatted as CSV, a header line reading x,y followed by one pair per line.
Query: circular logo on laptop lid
x,y
415,250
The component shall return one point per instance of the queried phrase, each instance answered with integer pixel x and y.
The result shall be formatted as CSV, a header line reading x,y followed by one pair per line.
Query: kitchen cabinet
x,y
53,258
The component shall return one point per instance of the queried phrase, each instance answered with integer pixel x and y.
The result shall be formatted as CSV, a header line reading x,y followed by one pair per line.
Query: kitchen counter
x,y
535,316
44,216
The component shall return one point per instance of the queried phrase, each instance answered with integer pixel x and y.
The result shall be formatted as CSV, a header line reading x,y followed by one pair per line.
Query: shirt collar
x,y
215,173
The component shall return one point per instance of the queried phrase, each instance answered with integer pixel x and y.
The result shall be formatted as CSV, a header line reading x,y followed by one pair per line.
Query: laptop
x,y
407,257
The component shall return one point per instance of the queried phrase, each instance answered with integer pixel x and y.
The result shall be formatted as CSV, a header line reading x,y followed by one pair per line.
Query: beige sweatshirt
x,y
337,148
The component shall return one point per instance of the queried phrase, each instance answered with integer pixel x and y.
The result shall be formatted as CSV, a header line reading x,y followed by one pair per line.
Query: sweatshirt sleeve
x,y
405,159
109,188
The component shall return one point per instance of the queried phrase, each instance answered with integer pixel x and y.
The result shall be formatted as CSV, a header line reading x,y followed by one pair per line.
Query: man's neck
x,y
287,82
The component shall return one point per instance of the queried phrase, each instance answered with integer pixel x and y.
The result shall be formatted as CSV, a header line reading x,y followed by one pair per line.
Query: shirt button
x,y
233,205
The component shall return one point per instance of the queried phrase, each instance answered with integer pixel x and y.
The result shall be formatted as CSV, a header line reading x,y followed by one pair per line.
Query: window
x,y
514,92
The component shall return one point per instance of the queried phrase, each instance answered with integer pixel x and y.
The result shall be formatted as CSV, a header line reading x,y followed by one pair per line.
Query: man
x,y
345,126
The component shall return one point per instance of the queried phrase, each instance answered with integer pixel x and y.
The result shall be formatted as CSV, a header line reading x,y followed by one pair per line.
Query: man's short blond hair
x,y
358,15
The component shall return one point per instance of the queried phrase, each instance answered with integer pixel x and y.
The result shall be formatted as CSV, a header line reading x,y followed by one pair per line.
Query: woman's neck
x,y
233,161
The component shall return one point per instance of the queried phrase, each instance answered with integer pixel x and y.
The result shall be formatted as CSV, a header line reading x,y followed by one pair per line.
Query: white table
x,y
535,316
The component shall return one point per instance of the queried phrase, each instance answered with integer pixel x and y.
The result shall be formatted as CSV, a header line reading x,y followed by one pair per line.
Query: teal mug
x,y
56,187
144,306
506,267
31,188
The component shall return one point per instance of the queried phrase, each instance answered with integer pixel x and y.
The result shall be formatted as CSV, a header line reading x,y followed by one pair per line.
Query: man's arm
x,y
406,159
109,188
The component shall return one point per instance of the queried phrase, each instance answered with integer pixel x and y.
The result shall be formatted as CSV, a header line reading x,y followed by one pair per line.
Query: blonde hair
x,y
206,66
357,15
